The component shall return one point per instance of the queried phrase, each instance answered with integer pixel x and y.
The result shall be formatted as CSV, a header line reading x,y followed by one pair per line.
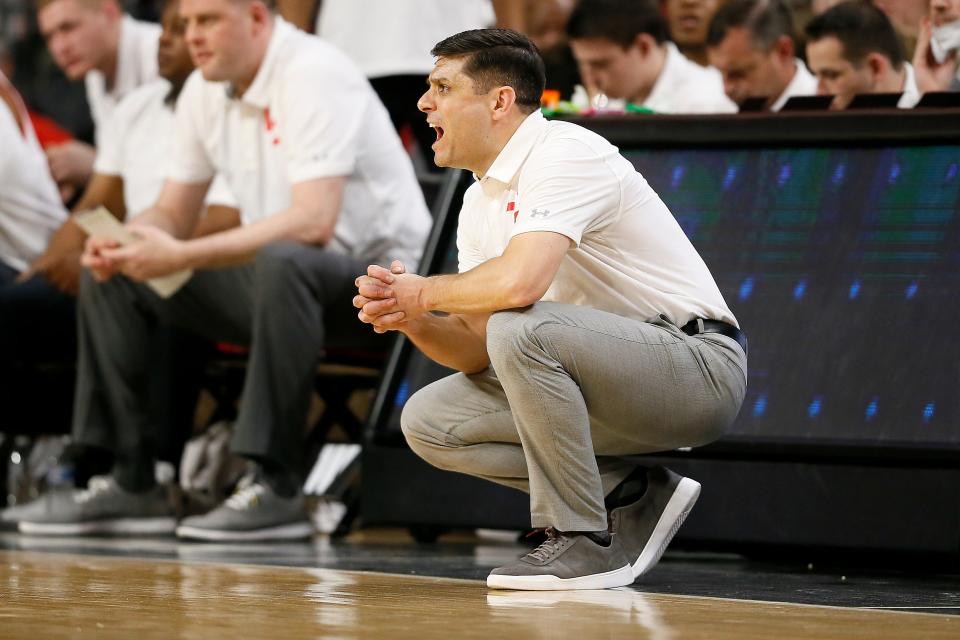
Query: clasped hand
x,y
155,253
390,298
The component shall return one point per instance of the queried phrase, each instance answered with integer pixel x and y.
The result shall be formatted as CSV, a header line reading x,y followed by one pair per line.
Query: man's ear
x,y
111,9
644,43
784,48
878,65
504,100
259,12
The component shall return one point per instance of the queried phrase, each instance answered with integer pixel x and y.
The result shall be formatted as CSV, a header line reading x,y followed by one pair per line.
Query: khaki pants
x,y
570,390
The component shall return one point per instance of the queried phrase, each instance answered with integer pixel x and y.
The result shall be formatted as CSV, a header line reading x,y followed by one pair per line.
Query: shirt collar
x,y
911,93
258,94
662,85
518,147
128,59
803,83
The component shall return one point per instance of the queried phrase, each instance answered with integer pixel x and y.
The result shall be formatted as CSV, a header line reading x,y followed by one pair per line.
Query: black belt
x,y
698,325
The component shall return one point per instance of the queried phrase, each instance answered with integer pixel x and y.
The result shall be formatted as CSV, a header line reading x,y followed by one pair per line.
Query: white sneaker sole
x,y
679,506
296,531
618,578
120,526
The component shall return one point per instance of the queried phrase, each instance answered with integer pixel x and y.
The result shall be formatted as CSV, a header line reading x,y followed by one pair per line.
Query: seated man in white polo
x,y
323,185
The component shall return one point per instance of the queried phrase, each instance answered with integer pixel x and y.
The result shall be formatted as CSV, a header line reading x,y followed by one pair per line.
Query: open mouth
x,y
439,131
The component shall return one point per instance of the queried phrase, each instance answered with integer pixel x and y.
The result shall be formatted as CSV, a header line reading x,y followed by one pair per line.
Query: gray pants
x,y
569,390
289,304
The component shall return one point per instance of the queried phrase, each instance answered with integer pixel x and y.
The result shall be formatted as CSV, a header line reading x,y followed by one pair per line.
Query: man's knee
x,y
418,421
514,333
415,419
278,259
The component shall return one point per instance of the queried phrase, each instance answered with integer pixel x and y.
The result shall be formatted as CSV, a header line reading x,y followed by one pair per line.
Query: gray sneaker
x,y
566,561
646,526
50,500
253,513
102,508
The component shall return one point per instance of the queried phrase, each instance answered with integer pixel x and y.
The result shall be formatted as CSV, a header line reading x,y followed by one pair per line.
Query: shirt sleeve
x,y
321,129
566,187
469,253
220,193
190,162
109,159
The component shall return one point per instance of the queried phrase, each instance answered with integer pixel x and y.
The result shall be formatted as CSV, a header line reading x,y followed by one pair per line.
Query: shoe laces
x,y
548,547
98,485
247,494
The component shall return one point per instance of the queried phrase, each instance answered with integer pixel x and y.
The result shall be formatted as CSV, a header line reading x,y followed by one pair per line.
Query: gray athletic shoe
x,y
253,513
102,508
566,561
50,501
646,526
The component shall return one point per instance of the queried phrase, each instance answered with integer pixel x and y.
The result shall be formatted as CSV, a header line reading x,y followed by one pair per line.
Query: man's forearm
x,y
239,245
176,226
452,341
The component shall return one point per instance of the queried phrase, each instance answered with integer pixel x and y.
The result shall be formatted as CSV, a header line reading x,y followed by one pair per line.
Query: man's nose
x,y
425,103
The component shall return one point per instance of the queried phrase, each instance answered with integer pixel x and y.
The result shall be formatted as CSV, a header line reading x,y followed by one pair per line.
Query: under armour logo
x,y
539,214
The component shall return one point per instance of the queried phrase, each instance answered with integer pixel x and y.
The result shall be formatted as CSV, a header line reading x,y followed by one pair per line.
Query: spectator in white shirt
x,y
112,52
324,188
751,43
622,51
853,49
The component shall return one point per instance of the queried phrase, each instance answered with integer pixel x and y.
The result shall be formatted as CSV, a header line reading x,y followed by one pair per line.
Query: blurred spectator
x,y
751,43
546,25
622,51
935,58
30,210
688,21
324,188
113,53
853,49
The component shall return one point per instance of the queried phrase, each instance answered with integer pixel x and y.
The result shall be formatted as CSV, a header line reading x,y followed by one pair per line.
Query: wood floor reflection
x,y
50,595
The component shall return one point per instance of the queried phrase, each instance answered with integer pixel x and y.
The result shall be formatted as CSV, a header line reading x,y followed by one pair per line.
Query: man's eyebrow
x,y
437,80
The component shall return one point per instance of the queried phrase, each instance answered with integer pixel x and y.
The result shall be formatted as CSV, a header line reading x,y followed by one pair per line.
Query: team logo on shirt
x,y
512,208
539,214
271,125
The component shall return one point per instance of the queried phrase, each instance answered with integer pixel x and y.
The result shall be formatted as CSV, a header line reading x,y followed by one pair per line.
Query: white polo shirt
x,y
139,146
684,86
30,207
308,114
911,92
803,83
136,65
630,256
394,37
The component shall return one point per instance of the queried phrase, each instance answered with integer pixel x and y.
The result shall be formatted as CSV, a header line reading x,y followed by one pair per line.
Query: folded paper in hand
x,y
99,222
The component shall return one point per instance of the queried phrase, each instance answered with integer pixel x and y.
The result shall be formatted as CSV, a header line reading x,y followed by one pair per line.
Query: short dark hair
x,y
498,57
619,21
765,20
862,29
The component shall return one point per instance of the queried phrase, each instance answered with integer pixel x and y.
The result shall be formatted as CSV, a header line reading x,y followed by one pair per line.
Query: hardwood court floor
x,y
61,595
